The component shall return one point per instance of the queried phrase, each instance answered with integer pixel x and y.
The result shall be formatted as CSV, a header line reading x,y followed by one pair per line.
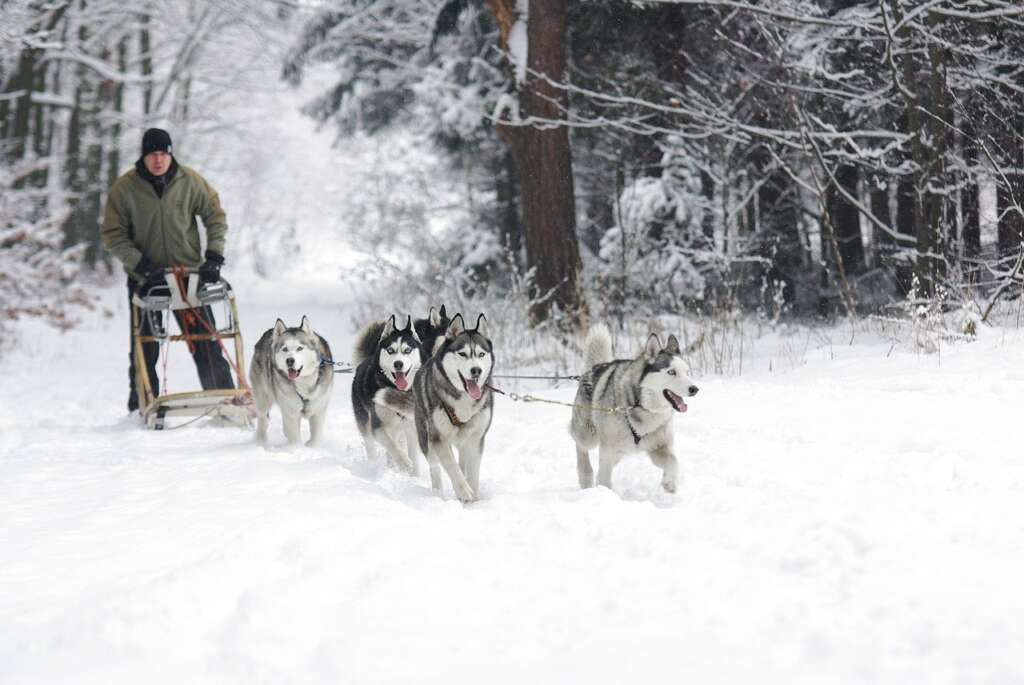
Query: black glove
x,y
152,275
209,271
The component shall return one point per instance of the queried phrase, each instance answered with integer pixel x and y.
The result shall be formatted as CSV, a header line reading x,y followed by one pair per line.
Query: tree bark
x,y
970,213
1010,190
23,82
146,64
846,220
543,161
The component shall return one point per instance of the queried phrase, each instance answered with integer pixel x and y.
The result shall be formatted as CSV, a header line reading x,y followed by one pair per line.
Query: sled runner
x,y
184,294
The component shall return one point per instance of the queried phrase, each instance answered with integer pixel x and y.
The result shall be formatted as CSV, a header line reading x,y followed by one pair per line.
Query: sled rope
x,y
348,367
191,421
555,378
516,397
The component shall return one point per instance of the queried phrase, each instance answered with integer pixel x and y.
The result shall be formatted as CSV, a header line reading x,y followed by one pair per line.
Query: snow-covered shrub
x,y
657,255
37,272
521,345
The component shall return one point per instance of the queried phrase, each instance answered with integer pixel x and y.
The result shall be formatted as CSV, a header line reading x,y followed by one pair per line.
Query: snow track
x,y
857,519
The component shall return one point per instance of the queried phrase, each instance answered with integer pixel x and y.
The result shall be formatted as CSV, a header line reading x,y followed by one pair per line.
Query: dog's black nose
x,y
398,366
290,361
475,372
693,390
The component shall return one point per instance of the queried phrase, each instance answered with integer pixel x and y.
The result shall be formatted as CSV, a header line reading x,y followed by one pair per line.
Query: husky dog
x,y
453,405
431,328
650,390
388,357
288,370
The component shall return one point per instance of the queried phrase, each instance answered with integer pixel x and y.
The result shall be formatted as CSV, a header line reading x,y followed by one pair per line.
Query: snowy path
x,y
858,519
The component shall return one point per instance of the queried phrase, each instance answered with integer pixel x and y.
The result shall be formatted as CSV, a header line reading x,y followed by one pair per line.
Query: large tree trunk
x,y
23,82
146,64
1009,197
882,244
778,222
846,220
925,115
507,196
543,160
970,214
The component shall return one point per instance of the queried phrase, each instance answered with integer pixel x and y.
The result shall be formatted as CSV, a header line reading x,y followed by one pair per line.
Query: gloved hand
x,y
152,275
209,271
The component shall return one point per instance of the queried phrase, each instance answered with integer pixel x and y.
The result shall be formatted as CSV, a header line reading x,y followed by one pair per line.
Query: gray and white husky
x,y
453,406
648,391
388,357
288,370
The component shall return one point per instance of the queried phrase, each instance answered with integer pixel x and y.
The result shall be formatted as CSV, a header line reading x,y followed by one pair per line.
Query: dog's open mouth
x,y
294,373
472,387
675,400
401,382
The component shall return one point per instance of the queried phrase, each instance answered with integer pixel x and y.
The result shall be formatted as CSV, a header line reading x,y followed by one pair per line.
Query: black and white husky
x,y
288,370
432,328
453,406
646,392
388,357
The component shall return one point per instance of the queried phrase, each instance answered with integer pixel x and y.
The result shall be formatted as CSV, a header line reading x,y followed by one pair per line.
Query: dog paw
x,y
467,497
669,485
586,482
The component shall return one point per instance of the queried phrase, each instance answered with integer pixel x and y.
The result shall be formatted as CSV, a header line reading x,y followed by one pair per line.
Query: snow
x,y
518,41
855,517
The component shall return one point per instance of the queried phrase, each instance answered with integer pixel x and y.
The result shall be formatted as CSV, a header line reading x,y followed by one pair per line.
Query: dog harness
x,y
304,400
452,417
456,421
629,424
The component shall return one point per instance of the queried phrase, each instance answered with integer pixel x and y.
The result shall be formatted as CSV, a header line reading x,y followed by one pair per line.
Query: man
x,y
150,224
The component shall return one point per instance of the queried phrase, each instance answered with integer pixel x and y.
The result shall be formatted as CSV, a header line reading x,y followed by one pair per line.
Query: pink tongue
x,y
473,389
677,401
400,381
293,374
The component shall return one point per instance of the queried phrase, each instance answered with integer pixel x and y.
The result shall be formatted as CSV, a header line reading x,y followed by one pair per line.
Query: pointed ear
x,y
305,326
673,345
444,313
412,329
481,325
434,317
279,329
389,327
456,327
653,346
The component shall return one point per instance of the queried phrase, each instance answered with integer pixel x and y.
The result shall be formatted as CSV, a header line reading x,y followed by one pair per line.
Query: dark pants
x,y
214,372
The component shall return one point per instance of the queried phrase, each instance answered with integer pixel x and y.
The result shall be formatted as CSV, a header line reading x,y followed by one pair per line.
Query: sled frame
x,y
234,405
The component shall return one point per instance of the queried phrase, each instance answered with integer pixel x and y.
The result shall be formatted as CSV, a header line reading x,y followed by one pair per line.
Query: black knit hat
x,y
155,139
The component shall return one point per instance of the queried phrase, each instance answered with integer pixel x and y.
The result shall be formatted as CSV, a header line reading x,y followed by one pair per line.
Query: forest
x,y
794,158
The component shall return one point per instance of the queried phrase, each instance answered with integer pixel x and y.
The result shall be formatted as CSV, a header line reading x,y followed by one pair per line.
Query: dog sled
x,y
183,290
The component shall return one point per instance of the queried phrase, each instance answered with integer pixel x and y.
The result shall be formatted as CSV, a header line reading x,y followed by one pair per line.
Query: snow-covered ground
x,y
857,518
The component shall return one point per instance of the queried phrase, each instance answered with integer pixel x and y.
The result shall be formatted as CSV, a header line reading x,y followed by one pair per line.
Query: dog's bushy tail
x,y
367,341
597,348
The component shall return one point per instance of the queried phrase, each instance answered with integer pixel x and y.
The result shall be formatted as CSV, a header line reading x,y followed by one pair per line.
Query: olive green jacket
x,y
137,222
